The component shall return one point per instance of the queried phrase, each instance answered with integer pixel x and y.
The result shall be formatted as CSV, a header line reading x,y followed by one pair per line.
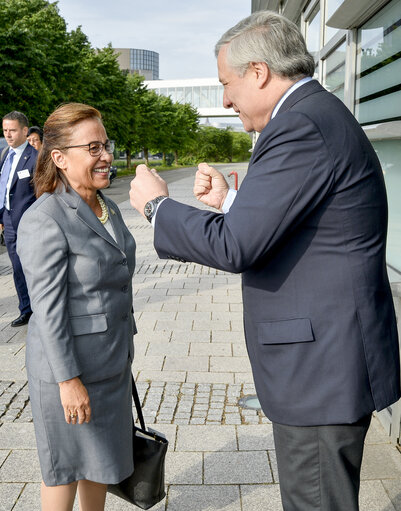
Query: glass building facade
x,y
205,94
142,62
145,60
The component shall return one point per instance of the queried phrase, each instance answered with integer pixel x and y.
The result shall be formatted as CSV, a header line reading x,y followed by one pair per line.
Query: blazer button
x,y
124,289
125,317
124,262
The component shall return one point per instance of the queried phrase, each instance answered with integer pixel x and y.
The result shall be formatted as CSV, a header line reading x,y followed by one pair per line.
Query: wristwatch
x,y
150,207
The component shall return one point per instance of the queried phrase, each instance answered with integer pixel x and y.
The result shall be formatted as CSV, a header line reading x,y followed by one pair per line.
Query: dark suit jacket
x,y
21,192
307,231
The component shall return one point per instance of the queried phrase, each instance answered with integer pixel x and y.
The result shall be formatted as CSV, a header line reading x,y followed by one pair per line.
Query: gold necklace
x,y
105,211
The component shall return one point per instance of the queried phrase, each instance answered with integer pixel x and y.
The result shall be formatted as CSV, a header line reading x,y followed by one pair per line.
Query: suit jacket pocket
x,y
285,331
90,324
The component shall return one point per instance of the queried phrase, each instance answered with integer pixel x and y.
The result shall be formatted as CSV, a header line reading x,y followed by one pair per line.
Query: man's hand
x,y
210,187
145,186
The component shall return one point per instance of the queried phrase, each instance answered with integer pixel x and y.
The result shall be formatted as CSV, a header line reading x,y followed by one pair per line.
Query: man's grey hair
x,y
268,37
17,116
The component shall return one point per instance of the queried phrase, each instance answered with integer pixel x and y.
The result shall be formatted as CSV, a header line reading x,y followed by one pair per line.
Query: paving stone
x,y
381,462
114,503
206,438
17,436
243,377
21,466
9,493
376,433
174,363
237,467
373,497
203,498
164,375
273,465
393,490
254,438
210,349
206,377
258,497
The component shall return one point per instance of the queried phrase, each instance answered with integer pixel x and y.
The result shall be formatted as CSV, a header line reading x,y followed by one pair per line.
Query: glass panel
x,y
331,7
377,87
313,32
171,93
188,95
196,99
389,153
180,95
334,71
204,97
213,97
220,93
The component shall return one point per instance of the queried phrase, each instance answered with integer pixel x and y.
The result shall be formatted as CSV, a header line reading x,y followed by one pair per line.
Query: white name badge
x,y
23,173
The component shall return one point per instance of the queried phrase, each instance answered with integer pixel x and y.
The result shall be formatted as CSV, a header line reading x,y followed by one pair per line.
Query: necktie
x,y
5,174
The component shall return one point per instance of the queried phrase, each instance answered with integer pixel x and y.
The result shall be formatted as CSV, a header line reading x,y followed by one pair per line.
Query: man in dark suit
x,y
307,230
16,195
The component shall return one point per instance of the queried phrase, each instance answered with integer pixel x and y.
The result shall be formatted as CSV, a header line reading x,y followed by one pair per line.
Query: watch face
x,y
148,210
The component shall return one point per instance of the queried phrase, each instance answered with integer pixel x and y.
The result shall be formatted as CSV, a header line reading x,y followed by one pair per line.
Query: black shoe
x,y
22,319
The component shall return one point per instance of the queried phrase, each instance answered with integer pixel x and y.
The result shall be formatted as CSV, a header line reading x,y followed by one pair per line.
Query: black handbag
x,y
145,486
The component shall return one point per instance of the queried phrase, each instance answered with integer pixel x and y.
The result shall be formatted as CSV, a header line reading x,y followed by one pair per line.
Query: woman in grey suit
x,y
79,258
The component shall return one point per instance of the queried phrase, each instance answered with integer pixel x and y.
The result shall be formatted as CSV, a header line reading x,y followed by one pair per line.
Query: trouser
x,y
319,466
10,238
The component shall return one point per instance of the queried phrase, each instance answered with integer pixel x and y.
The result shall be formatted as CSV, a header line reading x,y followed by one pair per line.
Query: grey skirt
x,y
100,451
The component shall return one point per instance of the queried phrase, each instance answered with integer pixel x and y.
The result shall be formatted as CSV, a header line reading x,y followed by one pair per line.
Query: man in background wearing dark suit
x,y
16,195
307,230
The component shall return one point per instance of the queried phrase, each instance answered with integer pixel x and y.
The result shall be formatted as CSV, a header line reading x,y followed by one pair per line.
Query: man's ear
x,y
261,71
59,158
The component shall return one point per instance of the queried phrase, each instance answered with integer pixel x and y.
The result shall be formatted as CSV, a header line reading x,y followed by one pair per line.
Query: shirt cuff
x,y
157,207
230,198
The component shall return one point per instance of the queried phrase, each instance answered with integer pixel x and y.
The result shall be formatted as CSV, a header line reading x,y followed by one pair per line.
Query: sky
x,y
183,32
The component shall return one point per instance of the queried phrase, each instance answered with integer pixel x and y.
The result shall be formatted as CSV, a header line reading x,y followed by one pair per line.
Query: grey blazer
x,y
307,231
80,285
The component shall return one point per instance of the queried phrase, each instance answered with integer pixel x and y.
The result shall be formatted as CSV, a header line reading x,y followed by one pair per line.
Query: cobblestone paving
x,y
168,403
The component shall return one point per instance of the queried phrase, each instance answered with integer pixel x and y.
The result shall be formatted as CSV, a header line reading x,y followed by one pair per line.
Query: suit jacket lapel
x,y
22,163
85,214
115,223
303,91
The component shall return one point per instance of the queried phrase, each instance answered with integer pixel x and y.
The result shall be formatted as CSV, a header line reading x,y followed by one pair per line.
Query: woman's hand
x,y
75,400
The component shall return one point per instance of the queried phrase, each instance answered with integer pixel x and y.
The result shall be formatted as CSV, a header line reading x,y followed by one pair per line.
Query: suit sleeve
x,y
290,174
43,250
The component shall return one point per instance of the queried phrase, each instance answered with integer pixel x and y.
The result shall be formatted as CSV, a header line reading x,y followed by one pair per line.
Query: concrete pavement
x,y
191,367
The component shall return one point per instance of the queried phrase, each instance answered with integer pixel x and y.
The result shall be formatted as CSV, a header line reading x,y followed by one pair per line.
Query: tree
x,y
31,33
184,129
43,65
242,143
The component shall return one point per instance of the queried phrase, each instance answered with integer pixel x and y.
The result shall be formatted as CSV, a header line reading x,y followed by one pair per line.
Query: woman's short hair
x,y
268,37
37,130
57,132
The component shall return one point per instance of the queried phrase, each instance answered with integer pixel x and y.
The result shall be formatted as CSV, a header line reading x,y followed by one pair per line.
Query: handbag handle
x,y
137,404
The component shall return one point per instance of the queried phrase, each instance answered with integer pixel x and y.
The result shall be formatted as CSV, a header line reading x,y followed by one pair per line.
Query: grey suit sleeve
x,y
290,174
43,250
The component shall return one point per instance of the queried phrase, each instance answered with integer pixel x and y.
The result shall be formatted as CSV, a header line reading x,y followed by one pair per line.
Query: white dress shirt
x,y
18,153
233,193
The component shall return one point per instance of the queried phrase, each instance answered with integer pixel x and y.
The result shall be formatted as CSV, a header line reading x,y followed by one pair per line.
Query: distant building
x,y
205,94
141,62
